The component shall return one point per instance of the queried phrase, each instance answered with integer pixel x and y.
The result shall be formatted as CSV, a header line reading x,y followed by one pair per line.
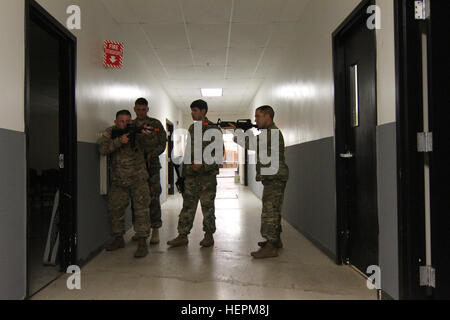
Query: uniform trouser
x,y
273,196
154,183
197,188
119,199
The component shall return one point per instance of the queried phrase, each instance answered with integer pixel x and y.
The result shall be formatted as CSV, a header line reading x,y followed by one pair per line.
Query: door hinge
x,y
422,9
427,276
425,142
61,161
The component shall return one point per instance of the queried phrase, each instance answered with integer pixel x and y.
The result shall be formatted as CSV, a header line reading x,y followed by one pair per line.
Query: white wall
x,y
302,90
386,64
12,57
102,92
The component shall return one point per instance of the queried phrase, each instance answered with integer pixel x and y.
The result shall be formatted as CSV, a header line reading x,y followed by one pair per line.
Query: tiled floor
x,y
226,271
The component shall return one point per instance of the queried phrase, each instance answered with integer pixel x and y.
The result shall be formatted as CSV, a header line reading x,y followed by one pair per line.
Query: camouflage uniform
x,y
153,168
128,180
274,187
200,185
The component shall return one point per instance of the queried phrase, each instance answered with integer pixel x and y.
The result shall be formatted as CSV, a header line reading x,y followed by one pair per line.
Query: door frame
x,y
410,163
340,98
68,138
409,111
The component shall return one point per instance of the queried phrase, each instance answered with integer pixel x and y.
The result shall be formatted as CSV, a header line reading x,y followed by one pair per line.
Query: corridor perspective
x,y
104,104
225,271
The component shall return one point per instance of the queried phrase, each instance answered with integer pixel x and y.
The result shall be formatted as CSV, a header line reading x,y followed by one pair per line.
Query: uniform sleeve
x,y
280,142
108,145
155,143
211,167
162,141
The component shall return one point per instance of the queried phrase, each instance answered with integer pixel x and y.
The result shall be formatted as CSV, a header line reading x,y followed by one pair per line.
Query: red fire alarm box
x,y
113,54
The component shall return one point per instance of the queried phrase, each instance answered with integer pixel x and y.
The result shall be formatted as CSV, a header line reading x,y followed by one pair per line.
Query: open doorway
x,y
354,48
229,168
51,147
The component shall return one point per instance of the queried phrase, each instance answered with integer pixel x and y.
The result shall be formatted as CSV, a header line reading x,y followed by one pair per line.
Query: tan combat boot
x,y
268,251
278,244
179,241
142,249
208,240
116,244
155,236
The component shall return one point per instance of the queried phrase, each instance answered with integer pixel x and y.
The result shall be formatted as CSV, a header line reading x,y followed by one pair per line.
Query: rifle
x,y
244,124
132,130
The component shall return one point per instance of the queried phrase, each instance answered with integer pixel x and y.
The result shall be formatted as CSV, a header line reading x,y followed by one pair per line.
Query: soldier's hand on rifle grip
x,y
125,138
147,130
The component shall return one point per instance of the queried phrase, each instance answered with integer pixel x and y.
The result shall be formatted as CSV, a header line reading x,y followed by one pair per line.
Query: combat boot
x,y
208,240
268,251
142,249
116,244
278,244
179,241
155,236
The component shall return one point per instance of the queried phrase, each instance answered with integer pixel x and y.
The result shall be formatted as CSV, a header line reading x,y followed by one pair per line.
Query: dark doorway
x,y
170,167
356,119
423,81
51,148
439,86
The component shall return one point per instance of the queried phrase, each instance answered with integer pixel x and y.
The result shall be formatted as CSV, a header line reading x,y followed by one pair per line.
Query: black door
x,y
51,148
439,88
171,172
356,120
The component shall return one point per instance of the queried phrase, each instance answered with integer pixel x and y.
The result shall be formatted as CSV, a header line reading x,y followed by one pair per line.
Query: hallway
x,y
225,272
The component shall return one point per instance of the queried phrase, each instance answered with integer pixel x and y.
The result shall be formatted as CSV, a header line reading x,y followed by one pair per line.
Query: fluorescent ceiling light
x,y
218,92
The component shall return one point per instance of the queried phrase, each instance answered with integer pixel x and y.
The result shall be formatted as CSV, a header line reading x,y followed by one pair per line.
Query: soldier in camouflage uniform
x,y
153,166
128,180
200,185
274,187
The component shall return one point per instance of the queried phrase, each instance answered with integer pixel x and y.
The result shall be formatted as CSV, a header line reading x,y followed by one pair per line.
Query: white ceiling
x,y
193,44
